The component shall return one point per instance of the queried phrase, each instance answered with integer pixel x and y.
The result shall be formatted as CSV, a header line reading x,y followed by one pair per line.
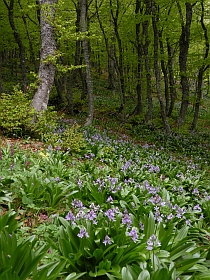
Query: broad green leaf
x,y
126,275
144,275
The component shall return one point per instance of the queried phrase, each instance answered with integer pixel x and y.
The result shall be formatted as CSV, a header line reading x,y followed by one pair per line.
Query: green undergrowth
x,y
111,209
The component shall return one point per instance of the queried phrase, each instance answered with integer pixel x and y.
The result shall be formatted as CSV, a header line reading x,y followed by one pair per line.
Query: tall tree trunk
x,y
32,54
139,107
69,94
111,66
145,26
119,61
48,48
172,88
86,53
111,51
19,42
1,78
202,70
157,68
184,42
165,71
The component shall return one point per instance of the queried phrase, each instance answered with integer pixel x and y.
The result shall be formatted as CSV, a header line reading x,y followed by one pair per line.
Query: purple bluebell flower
x,y
126,220
91,215
109,199
83,233
76,203
79,183
152,242
70,217
195,191
188,222
110,213
141,226
107,240
133,234
197,207
170,216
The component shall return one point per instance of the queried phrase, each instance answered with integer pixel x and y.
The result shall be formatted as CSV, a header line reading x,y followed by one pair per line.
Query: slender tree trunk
x,y
119,61
1,78
69,94
48,48
139,107
172,87
145,26
184,43
19,42
165,72
32,54
111,66
157,68
202,70
86,53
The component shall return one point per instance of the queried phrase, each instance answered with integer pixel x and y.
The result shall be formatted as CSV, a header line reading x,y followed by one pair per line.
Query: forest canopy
x,y
144,52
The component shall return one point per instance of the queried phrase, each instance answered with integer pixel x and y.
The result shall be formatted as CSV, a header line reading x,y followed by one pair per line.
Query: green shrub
x,y
69,138
15,115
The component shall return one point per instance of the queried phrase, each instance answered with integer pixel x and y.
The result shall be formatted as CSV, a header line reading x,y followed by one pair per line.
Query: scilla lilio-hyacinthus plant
x,y
114,210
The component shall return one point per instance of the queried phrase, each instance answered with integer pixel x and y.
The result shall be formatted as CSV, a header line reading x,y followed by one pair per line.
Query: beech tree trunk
x,y
202,70
146,43
157,68
172,88
184,43
48,48
85,46
139,107
18,40
1,79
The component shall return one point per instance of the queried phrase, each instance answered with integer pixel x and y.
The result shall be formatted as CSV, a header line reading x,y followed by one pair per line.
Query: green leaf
x,y
126,275
144,275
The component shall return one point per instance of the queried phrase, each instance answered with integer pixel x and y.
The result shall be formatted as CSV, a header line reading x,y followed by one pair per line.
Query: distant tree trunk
x,y
48,48
86,53
78,51
145,26
19,42
59,84
111,67
172,84
69,94
157,68
139,107
201,71
165,72
32,54
111,52
119,61
184,43
1,78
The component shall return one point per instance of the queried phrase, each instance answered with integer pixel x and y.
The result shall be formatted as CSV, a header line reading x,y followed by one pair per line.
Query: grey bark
x,y
86,53
1,78
172,88
119,61
48,48
202,69
19,42
146,43
184,43
32,53
157,68
139,108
